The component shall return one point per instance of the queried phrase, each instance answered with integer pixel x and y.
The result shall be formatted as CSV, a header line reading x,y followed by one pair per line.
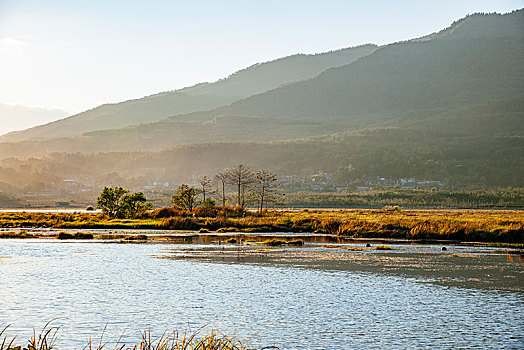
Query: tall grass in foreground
x,y
212,340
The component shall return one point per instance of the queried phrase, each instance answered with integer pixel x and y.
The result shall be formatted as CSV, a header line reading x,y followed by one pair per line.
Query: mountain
x,y
448,106
21,117
249,81
458,67
458,80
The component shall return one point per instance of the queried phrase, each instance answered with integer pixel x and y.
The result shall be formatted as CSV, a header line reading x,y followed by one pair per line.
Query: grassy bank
x,y
460,225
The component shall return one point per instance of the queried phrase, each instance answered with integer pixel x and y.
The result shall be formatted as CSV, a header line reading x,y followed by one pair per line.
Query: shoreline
x,y
439,226
145,236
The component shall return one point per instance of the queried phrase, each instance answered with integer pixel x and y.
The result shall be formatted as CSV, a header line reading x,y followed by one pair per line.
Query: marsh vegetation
x,y
458,225
200,340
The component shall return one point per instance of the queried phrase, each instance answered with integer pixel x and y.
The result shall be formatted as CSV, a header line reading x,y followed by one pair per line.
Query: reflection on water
x,y
467,267
295,298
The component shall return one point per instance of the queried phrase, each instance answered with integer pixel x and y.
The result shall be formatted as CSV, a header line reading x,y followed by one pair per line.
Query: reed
x,y
413,224
278,242
21,234
382,247
199,340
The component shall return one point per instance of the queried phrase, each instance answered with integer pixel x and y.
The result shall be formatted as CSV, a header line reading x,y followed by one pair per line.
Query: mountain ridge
x,y
449,108
203,96
414,78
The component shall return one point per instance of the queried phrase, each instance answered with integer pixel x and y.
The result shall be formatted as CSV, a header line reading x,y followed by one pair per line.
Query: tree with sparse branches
x,y
186,197
206,187
241,177
221,180
266,188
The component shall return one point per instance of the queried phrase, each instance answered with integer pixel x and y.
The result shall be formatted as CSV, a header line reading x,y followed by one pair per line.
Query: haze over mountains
x,y
447,106
16,116
250,81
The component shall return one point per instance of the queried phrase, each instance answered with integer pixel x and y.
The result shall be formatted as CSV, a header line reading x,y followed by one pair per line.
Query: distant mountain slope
x,y
484,120
252,80
385,152
458,67
447,107
465,87
458,80
20,117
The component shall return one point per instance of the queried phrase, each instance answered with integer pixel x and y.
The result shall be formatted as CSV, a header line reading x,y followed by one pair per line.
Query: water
x,y
51,210
131,287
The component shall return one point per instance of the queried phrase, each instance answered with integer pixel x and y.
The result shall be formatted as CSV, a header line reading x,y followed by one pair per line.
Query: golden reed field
x,y
412,224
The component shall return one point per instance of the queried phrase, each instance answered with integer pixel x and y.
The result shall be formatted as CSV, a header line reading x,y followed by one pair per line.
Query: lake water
x,y
294,298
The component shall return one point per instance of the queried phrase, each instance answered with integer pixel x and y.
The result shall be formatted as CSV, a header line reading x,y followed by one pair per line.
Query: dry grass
x,y
461,225
356,249
279,242
382,247
211,340
21,234
45,340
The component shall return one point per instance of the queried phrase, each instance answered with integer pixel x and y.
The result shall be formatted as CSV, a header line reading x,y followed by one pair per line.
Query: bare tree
x,y
205,187
221,181
241,177
266,188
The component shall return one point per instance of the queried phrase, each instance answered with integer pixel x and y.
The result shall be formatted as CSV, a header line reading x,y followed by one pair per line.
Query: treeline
x,y
409,199
249,187
490,162
8,202
238,185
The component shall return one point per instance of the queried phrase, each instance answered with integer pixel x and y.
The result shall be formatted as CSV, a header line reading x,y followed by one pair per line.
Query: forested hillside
x,y
249,81
458,80
446,107
494,161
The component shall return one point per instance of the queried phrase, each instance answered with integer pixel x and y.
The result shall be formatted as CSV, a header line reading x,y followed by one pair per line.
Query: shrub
x,y
228,229
179,223
21,234
382,247
65,235
136,238
167,212
232,212
205,212
221,222
353,227
278,242
80,235
77,235
330,225
307,224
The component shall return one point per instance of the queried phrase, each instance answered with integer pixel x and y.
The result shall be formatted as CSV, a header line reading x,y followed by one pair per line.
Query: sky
x,y
74,55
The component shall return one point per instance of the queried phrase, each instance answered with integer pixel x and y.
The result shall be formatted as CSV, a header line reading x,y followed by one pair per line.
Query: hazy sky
x,y
77,54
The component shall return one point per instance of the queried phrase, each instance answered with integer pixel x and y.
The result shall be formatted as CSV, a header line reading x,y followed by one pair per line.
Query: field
x,y
413,224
